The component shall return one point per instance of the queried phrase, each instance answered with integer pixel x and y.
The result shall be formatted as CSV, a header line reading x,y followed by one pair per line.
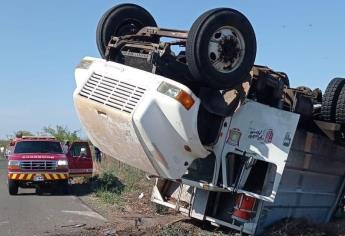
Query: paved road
x,y
29,214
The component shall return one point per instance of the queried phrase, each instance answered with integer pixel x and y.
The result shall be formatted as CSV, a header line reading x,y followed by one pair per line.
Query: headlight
x,y
13,163
174,92
84,64
62,163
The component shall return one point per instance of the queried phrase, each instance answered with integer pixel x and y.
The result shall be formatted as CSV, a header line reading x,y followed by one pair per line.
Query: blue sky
x,y
41,42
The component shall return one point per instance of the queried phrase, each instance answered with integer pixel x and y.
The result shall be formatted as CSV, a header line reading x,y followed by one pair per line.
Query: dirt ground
x,y
136,215
139,216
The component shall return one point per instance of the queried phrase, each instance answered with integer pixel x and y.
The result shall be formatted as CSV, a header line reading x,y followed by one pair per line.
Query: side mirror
x,y
83,152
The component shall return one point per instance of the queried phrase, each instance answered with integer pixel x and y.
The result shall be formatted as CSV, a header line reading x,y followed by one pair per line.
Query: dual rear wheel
x,y
333,101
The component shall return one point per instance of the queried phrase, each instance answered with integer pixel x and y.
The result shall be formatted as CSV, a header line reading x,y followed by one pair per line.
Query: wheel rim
x,y
226,49
130,26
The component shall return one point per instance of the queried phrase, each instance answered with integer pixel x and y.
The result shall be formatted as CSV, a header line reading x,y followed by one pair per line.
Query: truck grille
x,y
113,93
38,165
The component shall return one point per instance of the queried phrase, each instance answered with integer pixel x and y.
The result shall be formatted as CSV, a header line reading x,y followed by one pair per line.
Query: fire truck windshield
x,y
38,147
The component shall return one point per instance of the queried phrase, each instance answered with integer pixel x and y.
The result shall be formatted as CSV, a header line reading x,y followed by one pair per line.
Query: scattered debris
x,y
73,226
141,195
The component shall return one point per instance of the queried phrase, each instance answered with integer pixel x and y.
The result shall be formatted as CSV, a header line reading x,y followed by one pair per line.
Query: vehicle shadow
x,y
107,183
81,187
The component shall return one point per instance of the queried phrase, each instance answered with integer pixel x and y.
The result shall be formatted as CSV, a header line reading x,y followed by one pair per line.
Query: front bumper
x,y
38,176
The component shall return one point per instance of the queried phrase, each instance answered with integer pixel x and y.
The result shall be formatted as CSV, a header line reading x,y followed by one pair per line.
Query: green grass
x,y
115,180
161,210
186,229
174,230
109,197
108,187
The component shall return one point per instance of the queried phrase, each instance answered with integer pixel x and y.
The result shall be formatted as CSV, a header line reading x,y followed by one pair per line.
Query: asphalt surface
x,y
49,214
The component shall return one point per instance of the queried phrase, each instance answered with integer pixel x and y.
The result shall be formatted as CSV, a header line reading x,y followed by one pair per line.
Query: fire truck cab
x,y
40,161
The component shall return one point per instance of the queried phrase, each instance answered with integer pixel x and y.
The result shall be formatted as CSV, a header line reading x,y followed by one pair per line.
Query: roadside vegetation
x,y
61,133
116,182
3,143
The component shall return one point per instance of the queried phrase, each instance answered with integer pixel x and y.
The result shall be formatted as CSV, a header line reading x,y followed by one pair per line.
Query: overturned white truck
x,y
213,129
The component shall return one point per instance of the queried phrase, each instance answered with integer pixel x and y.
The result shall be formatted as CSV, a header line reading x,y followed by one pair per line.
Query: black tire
x,y
340,108
13,187
199,59
121,20
39,190
64,187
330,98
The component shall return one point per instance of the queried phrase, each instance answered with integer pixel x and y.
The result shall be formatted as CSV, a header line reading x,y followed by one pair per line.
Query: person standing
x,y
66,147
2,151
98,155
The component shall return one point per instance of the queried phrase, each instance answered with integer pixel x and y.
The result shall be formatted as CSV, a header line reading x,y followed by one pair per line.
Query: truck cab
x,y
39,161
80,160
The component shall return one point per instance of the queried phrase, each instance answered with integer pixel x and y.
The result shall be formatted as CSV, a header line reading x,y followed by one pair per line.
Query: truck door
x,y
80,159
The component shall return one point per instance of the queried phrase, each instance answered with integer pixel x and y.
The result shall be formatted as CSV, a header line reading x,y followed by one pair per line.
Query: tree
x,y
62,133
4,143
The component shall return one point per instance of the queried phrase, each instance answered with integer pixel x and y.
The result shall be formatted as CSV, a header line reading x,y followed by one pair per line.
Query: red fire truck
x,y
39,161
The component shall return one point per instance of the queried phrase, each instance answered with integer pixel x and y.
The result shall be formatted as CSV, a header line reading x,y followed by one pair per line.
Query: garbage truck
x,y
227,140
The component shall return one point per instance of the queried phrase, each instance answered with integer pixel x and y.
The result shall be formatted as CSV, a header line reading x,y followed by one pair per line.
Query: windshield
x,y
38,147
76,149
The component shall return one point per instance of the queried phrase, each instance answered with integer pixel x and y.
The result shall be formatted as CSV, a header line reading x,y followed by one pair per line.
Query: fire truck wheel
x,y
64,187
13,187
330,98
39,190
121,20
221,48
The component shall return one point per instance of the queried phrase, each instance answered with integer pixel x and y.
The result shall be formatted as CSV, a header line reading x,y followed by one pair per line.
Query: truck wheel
x,y
121,20
340,108
13,187
330,98
64,187
221,48
39,190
